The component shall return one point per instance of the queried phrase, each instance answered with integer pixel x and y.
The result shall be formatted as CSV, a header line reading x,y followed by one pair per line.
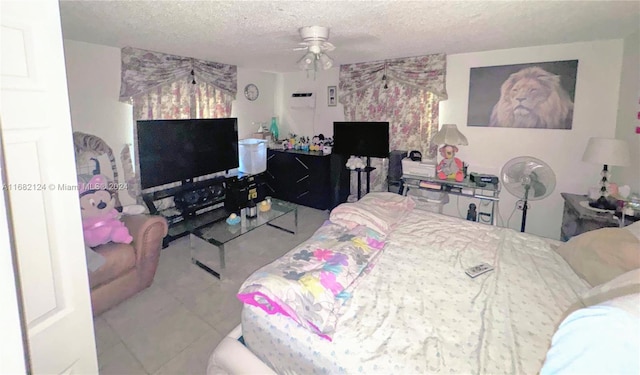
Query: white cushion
x,y
599,339
231,357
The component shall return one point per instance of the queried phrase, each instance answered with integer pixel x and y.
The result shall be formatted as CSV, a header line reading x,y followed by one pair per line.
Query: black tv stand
x,y
191,200
367,170
203,202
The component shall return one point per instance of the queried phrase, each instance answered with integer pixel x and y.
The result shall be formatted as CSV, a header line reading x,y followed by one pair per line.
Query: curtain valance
x,y
144,70
422,72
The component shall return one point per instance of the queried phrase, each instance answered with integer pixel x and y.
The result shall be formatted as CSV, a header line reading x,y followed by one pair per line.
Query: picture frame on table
x,y
332,96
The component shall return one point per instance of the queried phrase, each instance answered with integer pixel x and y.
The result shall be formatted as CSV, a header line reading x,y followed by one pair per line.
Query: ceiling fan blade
x,y
301,48
326,46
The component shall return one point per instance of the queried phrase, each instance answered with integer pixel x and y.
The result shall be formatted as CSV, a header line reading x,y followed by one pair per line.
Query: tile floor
x,y
173,326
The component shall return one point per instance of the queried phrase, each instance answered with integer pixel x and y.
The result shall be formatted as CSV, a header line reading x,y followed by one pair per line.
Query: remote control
x,y
478,270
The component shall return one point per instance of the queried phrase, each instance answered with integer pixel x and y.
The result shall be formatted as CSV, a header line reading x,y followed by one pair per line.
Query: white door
x,y
39,158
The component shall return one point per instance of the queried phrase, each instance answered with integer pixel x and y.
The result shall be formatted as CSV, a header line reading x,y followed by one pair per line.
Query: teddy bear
x,y
100,219
355,162
450,167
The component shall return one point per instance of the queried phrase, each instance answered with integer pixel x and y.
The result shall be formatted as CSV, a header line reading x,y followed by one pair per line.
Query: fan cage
x,y
519,172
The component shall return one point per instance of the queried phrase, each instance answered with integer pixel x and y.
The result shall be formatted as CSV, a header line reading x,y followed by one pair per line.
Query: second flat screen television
x,y
361,138
179,150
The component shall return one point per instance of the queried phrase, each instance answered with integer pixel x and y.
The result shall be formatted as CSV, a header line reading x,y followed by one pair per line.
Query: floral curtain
x,y
412,113
422,72
405,92
182,99
144,70
163,86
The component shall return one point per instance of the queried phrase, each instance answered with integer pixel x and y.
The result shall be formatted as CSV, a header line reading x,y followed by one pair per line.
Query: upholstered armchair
x,y
127,268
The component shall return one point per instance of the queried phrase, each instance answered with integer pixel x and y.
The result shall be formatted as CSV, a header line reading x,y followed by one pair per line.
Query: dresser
x,y
308,178
577,219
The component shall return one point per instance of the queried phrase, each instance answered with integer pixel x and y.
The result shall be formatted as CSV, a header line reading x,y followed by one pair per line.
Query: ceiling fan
x,y
314,41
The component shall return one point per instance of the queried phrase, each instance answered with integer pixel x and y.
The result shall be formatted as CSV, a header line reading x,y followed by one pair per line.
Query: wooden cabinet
x,y
308,178
578,219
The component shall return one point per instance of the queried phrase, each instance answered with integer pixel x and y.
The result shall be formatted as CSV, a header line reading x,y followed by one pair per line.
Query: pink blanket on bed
x,y
380,211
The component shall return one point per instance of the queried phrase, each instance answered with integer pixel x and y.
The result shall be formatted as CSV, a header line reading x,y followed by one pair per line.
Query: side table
x,y
466,188
577,219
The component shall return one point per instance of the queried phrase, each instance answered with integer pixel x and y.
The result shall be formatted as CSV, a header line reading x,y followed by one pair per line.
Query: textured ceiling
x,y
262,34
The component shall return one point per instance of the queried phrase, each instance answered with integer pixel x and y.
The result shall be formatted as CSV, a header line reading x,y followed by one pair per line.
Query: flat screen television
x,y
179,150
361,138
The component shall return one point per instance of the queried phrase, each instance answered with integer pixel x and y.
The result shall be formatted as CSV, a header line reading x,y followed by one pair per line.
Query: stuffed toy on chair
x,y
450,167
100,219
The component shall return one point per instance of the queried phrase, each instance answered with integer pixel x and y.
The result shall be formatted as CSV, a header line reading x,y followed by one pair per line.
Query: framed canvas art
x,y
534,95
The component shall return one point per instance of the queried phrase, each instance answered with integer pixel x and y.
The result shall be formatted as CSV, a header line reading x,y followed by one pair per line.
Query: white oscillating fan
x,y
527,178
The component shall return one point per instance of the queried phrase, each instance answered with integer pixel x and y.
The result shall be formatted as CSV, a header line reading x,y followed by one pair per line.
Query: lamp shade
x,y
609,151
449,135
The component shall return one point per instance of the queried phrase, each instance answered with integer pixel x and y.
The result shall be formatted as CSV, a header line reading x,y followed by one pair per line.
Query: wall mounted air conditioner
x,y
302,100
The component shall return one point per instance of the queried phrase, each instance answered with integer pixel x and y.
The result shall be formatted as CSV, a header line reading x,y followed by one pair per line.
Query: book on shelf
x,y
429,185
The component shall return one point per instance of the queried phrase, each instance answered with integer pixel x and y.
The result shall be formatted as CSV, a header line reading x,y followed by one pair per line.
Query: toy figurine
x,y
304,143
450,167
100,220
315,144
472,214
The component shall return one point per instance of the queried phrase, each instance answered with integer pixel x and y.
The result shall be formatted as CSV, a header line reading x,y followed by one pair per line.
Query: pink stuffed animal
x,y
450,167
100,221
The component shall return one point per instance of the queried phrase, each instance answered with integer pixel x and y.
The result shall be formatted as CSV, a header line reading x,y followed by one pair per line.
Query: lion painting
x,y
533,98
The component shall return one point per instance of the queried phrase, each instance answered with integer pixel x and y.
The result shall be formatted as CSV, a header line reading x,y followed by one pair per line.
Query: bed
x,y
401,302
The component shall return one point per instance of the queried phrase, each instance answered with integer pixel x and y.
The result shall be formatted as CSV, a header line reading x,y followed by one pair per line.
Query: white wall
x,y
259,110
308,122
93,78
596,108
628,109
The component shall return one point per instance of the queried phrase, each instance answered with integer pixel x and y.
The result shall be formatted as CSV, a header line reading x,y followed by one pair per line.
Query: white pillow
x,y
599,339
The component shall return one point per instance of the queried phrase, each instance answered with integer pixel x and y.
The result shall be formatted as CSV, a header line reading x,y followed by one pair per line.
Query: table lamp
x,y
606,151
450,167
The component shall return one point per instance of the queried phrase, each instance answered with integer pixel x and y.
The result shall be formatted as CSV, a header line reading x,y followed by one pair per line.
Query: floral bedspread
x,y
314,281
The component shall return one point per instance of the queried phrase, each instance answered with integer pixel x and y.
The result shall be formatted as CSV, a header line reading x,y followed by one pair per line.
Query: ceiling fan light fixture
x,y
315,48
325,61
315,40
307,61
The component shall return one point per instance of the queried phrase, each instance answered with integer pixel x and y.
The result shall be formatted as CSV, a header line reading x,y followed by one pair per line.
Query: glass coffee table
x,y
218,232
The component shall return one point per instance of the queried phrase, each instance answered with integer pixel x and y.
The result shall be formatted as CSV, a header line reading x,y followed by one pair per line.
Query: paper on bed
x,y
313,281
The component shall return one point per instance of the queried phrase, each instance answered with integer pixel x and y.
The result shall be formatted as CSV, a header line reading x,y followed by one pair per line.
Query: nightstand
x,y
577,219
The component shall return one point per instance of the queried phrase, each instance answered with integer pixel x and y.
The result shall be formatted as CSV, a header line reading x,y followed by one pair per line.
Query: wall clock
x,y
251,92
